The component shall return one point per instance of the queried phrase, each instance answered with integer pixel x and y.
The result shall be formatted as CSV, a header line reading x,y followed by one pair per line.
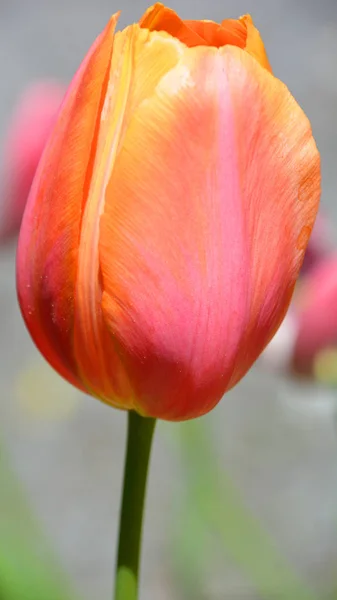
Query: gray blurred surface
x,y
278,440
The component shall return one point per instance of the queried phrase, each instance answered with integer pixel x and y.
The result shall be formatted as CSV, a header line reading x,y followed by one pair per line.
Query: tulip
x,y
168,220
316,317
320,245
29,129
306,342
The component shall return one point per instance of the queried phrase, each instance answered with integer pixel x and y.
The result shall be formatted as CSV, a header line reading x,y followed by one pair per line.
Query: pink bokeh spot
x,y
28,132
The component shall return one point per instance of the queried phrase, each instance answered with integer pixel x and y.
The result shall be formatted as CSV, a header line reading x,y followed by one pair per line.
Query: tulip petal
x,y
280,175
231,31
160,18
48,245
131,82
207,214
194,33
254,44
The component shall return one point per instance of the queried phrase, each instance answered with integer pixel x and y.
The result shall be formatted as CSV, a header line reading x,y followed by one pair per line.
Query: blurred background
x,y
241,504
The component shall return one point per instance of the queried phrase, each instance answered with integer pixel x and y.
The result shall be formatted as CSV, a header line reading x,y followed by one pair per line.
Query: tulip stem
x,y
138,447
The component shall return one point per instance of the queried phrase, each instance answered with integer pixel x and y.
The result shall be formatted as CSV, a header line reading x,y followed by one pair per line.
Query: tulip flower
x,y
166,227
320,245
169,216
305,333
316,316
306,342
28,131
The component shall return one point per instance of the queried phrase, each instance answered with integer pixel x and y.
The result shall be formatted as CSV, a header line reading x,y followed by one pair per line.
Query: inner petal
x,y
229,32
194,33
160,18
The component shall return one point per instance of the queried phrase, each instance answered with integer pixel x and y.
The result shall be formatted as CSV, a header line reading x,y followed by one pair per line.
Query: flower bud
x,y
169,217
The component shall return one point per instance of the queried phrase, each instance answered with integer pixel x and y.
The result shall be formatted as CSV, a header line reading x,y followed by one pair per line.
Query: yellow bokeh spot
x,y
42,394
325,366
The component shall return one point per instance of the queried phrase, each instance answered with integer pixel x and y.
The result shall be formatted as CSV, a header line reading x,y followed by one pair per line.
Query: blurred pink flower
x,y
315,309
320,244
28,131
308,334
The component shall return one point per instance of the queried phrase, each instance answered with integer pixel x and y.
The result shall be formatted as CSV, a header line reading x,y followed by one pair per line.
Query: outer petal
x,y
208,209
48,245
280,182
139,61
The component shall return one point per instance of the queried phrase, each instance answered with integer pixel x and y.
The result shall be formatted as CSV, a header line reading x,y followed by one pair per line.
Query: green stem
x,y
139,439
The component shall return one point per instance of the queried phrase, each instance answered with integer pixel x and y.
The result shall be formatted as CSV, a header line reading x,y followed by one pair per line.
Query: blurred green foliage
x,y
214,519
211,523
28,568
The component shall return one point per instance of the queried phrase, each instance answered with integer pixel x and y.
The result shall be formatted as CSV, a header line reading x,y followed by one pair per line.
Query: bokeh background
x,y
274,438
